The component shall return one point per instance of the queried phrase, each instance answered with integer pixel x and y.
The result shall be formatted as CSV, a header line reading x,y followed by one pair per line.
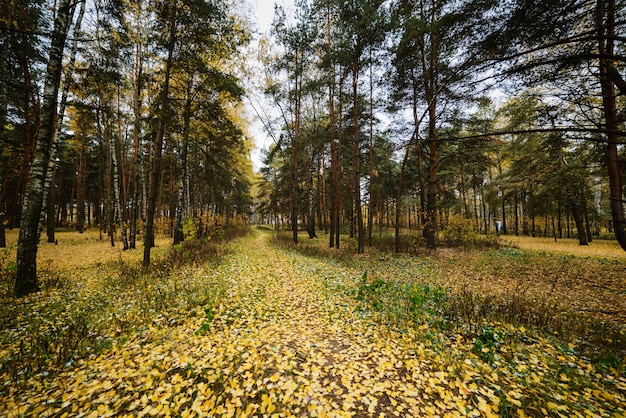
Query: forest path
x,y
301,347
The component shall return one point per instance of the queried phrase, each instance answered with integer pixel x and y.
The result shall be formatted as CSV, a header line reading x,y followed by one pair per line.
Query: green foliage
x,y
209,315
503,284
401,303
485,344
189,228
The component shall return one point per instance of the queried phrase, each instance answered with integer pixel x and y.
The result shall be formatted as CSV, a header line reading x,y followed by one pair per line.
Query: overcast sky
x,y
264,13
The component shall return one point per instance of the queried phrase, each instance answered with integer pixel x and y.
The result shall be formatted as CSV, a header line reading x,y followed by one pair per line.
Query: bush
x,y
459,232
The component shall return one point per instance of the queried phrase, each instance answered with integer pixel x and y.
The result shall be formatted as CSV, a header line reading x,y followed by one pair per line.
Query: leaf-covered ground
x,y
294,335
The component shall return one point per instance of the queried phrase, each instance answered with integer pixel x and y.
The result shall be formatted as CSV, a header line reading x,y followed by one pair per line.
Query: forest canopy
x,y
437,117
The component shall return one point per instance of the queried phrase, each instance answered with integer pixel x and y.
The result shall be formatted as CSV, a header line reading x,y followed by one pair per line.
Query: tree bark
x,y
399,198
310,170
334,200
430,227
356,162
81,173
3,117
118,214
158,146
605,27
26,279
49,182
370,211
134,169
181,205
294,150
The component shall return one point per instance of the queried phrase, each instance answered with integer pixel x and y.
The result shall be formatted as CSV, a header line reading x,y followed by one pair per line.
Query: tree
x,y
362,26
435,61
607,14
189,29
26,279
295,61
571,46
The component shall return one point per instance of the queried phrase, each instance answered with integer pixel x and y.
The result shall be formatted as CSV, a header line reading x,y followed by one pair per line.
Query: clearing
x,y
288,334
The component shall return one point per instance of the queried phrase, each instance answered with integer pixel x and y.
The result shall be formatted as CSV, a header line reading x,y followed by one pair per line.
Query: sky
x,y
264,13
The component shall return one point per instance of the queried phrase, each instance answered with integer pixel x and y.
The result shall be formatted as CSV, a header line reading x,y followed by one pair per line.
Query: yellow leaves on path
x,y
286,341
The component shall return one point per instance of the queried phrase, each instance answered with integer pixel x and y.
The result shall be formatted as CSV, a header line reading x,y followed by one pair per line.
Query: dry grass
x,y
78,251
291,335
577,293
94,297
597,248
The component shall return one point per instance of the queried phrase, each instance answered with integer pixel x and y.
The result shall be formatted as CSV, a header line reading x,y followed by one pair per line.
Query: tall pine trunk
x,y
356,163
26,279
183,190
430,227
134,169
310,171
334,161
605,27
158,146
4,56
294,149
370,206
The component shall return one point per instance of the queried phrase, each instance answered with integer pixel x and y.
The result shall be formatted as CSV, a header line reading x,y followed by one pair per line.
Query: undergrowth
x,y
468,292
72,319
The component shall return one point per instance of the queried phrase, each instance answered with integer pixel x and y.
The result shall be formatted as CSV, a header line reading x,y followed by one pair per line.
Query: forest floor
x,y
273,330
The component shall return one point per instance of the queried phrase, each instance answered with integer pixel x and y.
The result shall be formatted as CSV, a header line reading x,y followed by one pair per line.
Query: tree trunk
x,y
50,200
399,198
117,207
334,200
4,52
430,229
134,169
158,146
356,163
370,205
181,206
294,150
605,27
310,227
339,187
49,182
26,279
81,168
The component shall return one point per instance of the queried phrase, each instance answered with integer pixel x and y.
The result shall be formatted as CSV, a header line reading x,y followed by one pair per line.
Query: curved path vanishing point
x,y
286,340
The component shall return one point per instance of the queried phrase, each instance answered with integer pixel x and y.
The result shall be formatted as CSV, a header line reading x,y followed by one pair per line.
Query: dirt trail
x,y
306,350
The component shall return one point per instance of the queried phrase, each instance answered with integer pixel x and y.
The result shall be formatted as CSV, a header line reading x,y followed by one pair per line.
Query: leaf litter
x,y
288,336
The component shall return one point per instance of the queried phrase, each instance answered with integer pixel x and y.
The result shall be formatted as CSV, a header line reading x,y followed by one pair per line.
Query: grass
x,y
95,296
258,329
574,294
542,327
598,248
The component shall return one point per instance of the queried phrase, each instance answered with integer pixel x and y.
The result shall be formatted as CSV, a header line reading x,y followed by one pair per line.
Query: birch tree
x,y
26,279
